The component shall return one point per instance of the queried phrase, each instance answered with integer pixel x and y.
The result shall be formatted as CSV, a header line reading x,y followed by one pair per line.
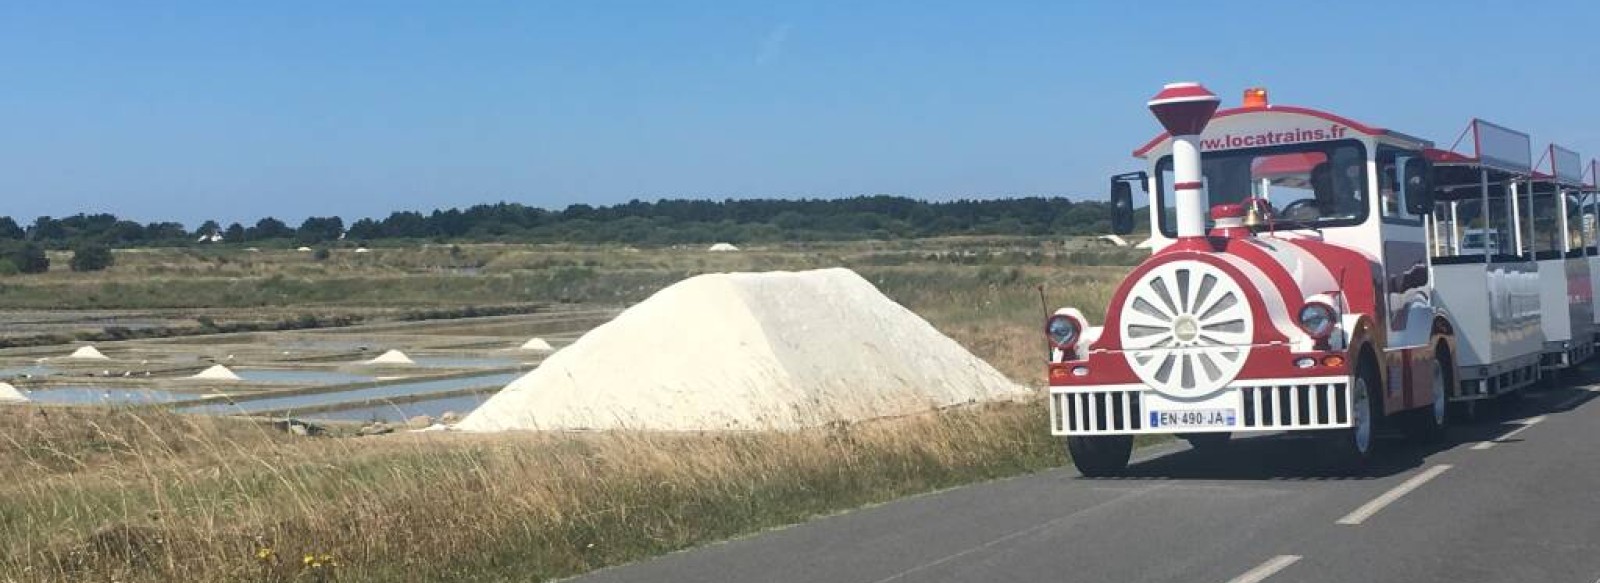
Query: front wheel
x,y
1351,449
1097,457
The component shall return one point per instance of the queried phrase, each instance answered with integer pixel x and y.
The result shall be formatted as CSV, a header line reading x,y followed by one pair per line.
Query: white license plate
x,y
1193,418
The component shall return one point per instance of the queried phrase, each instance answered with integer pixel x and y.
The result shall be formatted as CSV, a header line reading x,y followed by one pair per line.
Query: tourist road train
x,y
1313,273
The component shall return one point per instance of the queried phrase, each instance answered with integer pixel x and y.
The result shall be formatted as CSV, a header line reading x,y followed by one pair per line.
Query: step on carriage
x,y
1312,273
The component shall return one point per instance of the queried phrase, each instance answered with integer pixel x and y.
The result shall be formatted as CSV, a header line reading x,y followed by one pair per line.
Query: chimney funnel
x,y
1184,109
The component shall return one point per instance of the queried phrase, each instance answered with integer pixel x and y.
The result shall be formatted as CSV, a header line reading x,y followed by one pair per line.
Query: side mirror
x,y
1121,207
1419,186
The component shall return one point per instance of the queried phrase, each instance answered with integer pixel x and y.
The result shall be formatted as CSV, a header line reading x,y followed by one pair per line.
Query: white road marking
x,y
1267,569
1509,434
1367,510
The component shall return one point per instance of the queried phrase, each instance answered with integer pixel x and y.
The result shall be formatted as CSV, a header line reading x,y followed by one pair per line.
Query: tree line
x,y
636,222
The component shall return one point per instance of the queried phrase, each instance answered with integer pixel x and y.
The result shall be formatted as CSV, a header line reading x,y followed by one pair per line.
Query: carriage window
x,y
1575,235
1464,227
1548,231
1308,186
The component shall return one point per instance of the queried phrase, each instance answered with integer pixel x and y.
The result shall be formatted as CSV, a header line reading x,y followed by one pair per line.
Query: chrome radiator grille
x,y
1295,406
1096,411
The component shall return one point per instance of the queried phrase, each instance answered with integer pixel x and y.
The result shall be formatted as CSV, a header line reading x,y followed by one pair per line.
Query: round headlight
x,y
1317,319
1063,331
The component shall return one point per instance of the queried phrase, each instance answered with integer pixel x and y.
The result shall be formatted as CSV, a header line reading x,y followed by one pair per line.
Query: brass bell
x,y
1252,215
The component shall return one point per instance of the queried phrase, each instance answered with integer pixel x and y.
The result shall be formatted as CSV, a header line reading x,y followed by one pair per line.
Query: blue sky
x,y
236,110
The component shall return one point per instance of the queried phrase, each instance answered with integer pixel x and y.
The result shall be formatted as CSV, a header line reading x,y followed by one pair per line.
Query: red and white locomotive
x,y
1314,273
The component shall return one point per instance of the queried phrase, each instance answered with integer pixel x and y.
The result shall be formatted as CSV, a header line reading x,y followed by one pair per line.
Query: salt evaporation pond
x,y
399,412
301,377
463,362
104,396
37,370
291,402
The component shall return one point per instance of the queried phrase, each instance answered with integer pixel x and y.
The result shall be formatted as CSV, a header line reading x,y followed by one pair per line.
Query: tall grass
x,y
156,497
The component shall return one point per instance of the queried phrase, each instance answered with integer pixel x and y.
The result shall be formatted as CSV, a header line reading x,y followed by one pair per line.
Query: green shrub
x,y
91,257
29,258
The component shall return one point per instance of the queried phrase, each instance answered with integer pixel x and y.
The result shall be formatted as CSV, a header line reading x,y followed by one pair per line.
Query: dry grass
x,y
155,497
122,495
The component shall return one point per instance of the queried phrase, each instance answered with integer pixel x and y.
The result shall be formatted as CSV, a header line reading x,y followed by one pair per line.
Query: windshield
x,y
1309,186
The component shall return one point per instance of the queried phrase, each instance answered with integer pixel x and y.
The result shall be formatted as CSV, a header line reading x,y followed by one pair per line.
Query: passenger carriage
x,y
1495,290
1555,239
1590,222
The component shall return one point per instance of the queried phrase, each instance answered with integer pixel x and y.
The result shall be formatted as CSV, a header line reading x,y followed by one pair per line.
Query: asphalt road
x,y
1510,500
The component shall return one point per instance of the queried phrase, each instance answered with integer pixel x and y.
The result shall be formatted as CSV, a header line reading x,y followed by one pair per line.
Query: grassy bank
x,y
153,497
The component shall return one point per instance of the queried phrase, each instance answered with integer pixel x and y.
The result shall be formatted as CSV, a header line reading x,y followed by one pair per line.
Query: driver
x,y
1324,201
1322,188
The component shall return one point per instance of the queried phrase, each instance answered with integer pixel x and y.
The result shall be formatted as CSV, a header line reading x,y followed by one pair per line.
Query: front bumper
x,y
1290,404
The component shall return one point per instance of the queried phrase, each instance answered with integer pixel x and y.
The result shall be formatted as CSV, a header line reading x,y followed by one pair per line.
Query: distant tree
x,y
10,230
46,229
91,257
320,229
366,229
269,228
29,257
234,234
207,229
166,232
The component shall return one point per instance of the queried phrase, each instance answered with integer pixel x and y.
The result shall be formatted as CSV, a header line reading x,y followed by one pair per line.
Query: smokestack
x,y
1184,109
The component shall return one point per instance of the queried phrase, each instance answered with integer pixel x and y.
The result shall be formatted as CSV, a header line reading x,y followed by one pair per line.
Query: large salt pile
x,y
217,372
392,357
748,351
10,394
88,353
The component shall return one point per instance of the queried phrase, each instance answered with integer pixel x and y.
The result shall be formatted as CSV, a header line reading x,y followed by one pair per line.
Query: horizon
x,y
188,111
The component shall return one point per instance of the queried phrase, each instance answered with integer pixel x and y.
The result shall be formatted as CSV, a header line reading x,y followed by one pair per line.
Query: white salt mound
x,y
10,394
537,344
747,351
217,372
392,357
88,353
722,247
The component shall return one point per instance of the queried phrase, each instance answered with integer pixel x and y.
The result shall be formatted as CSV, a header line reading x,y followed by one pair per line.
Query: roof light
x,y
1255,97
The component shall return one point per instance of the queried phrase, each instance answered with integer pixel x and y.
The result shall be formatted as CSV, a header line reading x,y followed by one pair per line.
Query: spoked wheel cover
x,y
1186,328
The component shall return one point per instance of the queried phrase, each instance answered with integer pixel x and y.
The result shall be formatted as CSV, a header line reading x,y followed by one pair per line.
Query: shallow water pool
x,y
405,389
104,396
301,377
399,413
